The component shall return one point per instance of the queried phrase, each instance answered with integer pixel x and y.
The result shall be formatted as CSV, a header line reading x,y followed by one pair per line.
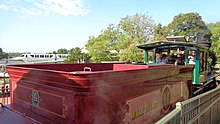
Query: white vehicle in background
x,y
42,58
3,72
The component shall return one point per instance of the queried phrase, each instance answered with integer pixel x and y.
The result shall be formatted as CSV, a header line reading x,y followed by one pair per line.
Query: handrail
x,y
4,95
199,96
173,117
87,69
4,92
202,112
195,109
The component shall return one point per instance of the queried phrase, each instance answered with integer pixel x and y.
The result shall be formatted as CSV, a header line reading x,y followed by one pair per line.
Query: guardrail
x,y
4,92
202,109
4,96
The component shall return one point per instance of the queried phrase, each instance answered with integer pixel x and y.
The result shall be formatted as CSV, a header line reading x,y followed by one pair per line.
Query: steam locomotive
x,y
109,93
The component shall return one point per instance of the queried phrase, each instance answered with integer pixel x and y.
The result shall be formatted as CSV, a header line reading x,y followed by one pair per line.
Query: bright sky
x,y
41,26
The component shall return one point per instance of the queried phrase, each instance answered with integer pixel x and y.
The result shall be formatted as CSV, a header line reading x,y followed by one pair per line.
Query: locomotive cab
x,y
178,51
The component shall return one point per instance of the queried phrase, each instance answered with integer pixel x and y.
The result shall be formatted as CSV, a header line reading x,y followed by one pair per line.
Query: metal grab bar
x,y
87,69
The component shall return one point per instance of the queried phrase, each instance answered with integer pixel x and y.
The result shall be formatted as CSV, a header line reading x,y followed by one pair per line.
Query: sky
x,y
42,26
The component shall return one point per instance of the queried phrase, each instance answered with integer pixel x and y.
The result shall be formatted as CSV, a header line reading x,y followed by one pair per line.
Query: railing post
x,y
211,108
199,111
179,106
204,108
218,108
4,94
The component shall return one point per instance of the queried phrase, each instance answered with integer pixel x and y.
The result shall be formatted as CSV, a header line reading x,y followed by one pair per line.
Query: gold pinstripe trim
x,y
63,98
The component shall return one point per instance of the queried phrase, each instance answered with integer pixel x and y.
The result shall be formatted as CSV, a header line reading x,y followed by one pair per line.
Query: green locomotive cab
x,y
178,51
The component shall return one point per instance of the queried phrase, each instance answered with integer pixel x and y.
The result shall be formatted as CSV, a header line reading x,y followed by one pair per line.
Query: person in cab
x,y
161,59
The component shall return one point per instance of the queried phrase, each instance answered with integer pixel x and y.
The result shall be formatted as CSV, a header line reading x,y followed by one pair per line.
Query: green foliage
x,y
14,54
119,42
160,32
54,52
215,47
189,24
3,55
62,51
132,54
215,29
138,28
77,56
104,47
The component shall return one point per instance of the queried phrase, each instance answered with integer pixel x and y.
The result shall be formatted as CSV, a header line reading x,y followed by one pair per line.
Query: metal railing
x,y
4,95
202,109
4,92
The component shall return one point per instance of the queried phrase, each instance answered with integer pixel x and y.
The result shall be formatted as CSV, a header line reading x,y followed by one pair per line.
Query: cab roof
x,y
200,45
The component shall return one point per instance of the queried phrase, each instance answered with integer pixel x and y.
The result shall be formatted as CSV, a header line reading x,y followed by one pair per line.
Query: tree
x,y
77,56
3,55
189,24
104,47
215,47
136,30
14,54
62,51
132,54
118,42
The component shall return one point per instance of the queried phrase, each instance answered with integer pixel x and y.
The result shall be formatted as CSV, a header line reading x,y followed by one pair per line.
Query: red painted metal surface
x,y
109,93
